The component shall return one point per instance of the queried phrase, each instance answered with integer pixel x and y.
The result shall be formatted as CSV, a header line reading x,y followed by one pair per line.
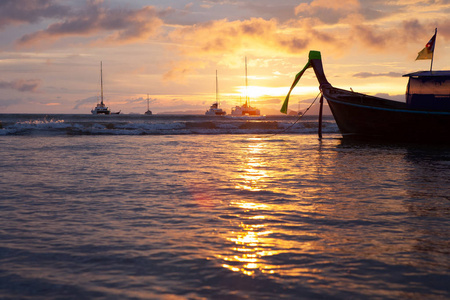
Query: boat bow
x,y
315,62
424,117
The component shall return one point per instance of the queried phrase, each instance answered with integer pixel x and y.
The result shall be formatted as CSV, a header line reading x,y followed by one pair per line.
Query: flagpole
x,y
434,47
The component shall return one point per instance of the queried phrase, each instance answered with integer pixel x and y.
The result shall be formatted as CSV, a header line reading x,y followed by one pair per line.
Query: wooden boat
x,y
423,117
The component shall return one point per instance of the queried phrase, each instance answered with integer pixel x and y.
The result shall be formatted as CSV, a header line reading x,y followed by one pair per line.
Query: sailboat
x,y
101,108
296,113
214,109
245,109
148,112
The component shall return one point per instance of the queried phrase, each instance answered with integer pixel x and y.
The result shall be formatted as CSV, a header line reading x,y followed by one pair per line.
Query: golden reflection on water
x,y
252,173
252,241
257,225
251,246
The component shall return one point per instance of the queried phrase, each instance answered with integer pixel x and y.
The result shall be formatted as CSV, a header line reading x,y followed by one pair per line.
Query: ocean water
x,y
29,124
194,207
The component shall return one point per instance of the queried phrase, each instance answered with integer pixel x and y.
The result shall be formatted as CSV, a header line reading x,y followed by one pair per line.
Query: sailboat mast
x,y
101,81
148,108
246,83
217,91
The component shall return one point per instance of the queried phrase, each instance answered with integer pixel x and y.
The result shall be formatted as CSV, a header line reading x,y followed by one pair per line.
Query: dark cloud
x,y
281,10
418,31
83,102
443,28
5,103
409,31
119,25
141,100
204,11
373,14
369,74
29,11
21,85
412,26
372,37
294,43
330,12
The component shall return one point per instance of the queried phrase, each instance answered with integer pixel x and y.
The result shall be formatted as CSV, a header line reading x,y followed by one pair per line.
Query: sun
x,y
254,92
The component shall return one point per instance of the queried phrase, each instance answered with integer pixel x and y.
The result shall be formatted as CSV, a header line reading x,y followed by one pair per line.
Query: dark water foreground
x,y
222,217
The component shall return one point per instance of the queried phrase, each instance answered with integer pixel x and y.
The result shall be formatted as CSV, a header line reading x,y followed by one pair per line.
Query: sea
x,y
197,207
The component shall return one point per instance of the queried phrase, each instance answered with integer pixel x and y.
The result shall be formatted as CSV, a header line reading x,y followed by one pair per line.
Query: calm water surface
x,y
234,216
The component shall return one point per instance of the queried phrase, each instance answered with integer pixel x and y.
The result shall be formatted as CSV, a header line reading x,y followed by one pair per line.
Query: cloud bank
x,y
369,74
319,24
21,85
14,12
109,25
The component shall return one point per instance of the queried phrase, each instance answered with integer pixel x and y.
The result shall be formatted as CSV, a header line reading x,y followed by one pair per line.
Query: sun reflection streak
x,y
260,239
253,172
269,230
252,245
253,242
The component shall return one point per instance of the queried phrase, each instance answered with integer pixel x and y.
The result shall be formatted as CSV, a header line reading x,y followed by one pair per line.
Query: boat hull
x,y
244,111
215,112
100,112
365,117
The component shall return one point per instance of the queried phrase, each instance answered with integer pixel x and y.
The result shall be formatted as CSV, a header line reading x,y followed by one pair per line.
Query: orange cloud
x,y
216,40
180,69
223,36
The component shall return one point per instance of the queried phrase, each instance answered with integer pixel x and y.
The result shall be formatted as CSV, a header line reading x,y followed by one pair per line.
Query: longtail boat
x,y
424,116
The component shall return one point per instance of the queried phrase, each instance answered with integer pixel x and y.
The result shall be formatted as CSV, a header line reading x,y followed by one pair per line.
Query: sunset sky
x,y
50,51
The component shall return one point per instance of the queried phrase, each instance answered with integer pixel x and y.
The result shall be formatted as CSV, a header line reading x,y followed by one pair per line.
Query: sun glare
x,y
255,92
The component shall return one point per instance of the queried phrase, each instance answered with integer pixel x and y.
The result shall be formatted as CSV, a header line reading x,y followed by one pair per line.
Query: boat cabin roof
x,y
429,74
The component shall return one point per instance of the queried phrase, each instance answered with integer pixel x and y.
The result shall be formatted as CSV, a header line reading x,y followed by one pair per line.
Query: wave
x,y
157,125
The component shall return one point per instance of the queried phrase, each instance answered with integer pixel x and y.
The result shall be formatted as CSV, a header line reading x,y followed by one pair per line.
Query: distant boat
x,y
296,113
214,109
148,112
245,109
101,108
424,118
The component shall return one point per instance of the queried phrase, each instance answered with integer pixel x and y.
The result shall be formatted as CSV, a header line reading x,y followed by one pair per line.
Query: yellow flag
x,y
427,52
